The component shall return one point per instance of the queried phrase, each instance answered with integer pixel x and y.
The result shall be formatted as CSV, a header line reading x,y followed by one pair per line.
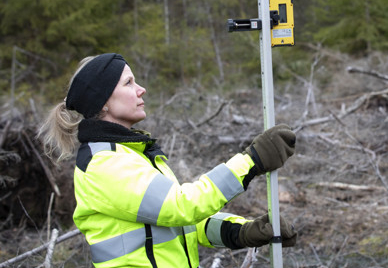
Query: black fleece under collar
x,y
94,130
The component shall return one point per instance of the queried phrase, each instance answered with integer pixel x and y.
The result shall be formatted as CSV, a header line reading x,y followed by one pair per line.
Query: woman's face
x,y
126,105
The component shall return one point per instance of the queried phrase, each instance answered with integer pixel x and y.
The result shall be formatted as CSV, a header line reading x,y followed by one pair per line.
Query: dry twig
x,y
353,187
370,72
356,105
49,214
47,171
5,132
213,115
249,258
316,255
50,249
39,249
332,261
217,261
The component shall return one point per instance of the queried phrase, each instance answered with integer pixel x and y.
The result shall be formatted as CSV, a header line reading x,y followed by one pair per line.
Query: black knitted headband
x,y
94,84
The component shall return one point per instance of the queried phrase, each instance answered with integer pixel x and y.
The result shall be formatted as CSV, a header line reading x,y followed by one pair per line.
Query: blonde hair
x,y
59,131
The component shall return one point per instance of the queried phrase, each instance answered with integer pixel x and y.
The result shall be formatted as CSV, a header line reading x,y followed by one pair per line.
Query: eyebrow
x,y
129,78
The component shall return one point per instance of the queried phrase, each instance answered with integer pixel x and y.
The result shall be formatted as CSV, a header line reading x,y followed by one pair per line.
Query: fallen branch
x,y
352,147
5,196
249,259
371,72
332,261
5,132
356,105
233,139
316,255
370,154
49,214
217,261
378,173
50,249
39,249
353,187
213,115
47,171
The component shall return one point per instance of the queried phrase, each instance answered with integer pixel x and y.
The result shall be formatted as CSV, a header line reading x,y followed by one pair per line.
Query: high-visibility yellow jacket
x,y
134,213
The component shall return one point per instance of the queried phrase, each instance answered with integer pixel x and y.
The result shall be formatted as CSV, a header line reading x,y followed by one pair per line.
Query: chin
x,y
141,118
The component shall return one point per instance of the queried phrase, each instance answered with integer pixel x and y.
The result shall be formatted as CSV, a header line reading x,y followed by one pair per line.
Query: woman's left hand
x,y
259,232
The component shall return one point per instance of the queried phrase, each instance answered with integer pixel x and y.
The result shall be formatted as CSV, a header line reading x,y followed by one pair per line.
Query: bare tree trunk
x,y
166,22
214,41
183,36
135,18
184,4
367,19
13,78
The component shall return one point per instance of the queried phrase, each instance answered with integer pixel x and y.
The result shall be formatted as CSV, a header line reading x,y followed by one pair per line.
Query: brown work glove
x,y
259,233
270,150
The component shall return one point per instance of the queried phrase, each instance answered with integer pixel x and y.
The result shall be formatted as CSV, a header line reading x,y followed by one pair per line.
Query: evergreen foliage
x,y
353,26
195,50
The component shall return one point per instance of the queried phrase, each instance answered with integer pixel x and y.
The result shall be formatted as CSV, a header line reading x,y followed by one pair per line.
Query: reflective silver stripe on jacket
x,y
96,147
225,180
117,246
213,230
189,229
121,245
153,199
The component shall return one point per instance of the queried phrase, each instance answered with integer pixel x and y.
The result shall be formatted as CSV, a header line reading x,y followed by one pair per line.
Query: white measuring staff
x,y
269,121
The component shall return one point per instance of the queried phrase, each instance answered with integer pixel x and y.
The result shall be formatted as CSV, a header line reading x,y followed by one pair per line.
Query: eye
x,y
129,82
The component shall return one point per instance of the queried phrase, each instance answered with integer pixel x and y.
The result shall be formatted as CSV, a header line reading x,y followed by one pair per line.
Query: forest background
x,y
204,89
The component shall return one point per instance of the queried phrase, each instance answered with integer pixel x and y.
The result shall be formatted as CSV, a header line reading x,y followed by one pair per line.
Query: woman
x,y
130,206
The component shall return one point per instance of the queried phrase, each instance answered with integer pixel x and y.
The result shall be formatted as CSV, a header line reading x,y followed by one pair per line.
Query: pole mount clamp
x,y
242,25
276,239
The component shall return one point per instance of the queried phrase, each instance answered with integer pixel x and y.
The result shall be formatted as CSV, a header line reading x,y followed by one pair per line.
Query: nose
x,y
141,91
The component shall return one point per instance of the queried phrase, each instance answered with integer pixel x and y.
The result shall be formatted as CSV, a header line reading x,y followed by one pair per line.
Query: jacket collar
x,y
94,130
